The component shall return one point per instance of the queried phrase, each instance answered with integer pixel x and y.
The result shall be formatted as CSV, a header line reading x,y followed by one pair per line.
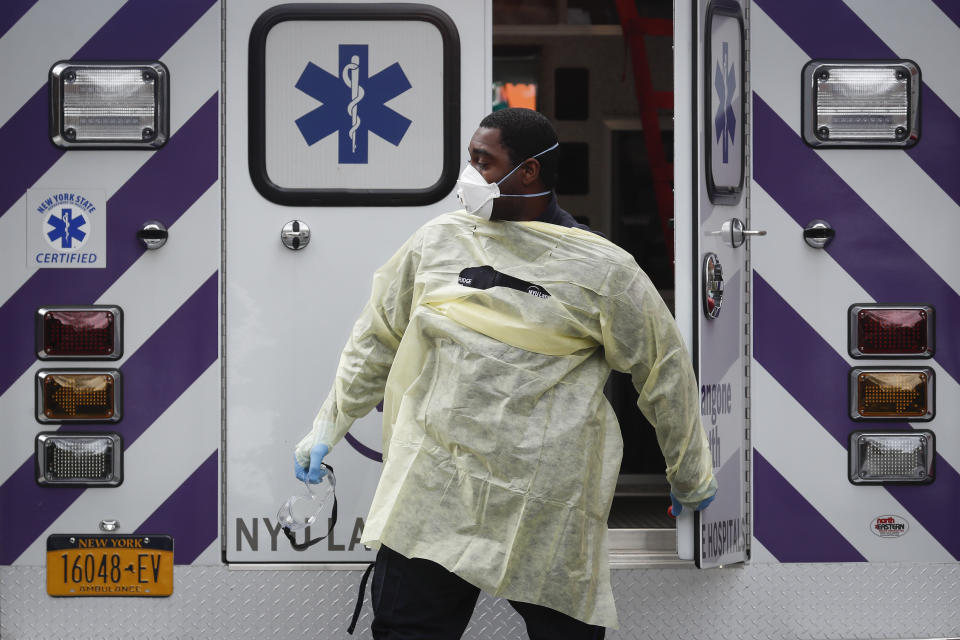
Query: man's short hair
x,y
525,133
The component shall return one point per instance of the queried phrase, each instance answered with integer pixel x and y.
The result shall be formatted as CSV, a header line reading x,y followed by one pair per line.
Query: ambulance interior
x,y
569,59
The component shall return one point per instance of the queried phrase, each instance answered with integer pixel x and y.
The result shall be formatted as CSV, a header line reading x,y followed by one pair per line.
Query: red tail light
x,y
891,331
90,333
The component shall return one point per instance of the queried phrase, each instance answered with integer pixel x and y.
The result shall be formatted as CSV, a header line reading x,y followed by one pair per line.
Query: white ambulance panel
x,y
365,127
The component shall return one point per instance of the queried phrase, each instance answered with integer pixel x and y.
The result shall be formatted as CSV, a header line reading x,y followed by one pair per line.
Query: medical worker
x,y
489,337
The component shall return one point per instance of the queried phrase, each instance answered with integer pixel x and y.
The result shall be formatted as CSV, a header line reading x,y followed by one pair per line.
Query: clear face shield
x,y
303,509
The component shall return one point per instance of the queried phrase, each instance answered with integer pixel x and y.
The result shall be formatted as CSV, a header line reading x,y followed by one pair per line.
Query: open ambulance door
x,y
712,228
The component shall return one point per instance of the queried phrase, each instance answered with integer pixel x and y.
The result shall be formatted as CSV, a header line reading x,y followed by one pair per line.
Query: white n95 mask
x,y
477,195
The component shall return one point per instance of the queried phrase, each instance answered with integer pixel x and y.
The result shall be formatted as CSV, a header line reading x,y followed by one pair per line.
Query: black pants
x,y
418,599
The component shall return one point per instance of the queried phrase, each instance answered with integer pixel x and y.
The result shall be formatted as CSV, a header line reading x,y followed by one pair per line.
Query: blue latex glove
x,y
676,508
315,473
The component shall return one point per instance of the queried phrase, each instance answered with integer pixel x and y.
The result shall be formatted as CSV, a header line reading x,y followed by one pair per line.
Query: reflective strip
x,y
186,35
879,259
891,184
13,10
814,464
138,31
167,453
190,513
819,305
189,161
842,34
156,375
951,8
791,351
788,525
186,265
25,58
919,32
195,83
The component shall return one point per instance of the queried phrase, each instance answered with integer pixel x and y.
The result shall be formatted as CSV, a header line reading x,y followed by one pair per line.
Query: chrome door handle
x,y
734,234
295,235
818,234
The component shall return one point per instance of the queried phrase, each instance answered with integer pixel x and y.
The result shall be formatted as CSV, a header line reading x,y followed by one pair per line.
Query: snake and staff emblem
x,y
350,75
725,121
340,93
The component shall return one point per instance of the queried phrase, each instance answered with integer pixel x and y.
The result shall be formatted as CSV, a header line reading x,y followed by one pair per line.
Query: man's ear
x,y
531,171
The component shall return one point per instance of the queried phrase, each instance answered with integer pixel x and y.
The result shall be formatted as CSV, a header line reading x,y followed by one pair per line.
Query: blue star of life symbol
x,y
725,122
66,228
353,104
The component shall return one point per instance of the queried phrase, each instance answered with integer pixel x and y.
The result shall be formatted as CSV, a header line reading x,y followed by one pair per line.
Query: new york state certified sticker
x,y
66,229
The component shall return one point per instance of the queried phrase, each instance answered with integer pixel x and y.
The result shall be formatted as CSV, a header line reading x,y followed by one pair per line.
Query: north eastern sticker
x,y
889,526
66,229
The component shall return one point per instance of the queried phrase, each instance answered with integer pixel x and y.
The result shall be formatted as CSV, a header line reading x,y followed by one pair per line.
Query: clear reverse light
x,y
892,457
109,104
94,460
860,103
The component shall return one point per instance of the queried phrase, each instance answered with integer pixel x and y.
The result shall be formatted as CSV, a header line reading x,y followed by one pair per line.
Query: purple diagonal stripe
x,y
804,364
168,362
816,376
154,377
189,514
865,246
27,150
838,33
138,31
842,34
162,189
951,8
13,10
936,151
141,31
790,527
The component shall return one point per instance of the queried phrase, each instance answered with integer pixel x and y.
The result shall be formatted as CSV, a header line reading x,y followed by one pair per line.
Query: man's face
x,y
488,155
492,160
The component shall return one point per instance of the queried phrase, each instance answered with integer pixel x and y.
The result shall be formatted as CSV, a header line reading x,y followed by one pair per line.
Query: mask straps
x,y
306,544
527,195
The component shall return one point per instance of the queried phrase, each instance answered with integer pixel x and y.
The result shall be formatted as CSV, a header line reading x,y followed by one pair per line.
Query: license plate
x,y
109,565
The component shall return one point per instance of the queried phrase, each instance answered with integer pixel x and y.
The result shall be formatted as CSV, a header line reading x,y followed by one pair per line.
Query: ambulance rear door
x,y
346,127
712,181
